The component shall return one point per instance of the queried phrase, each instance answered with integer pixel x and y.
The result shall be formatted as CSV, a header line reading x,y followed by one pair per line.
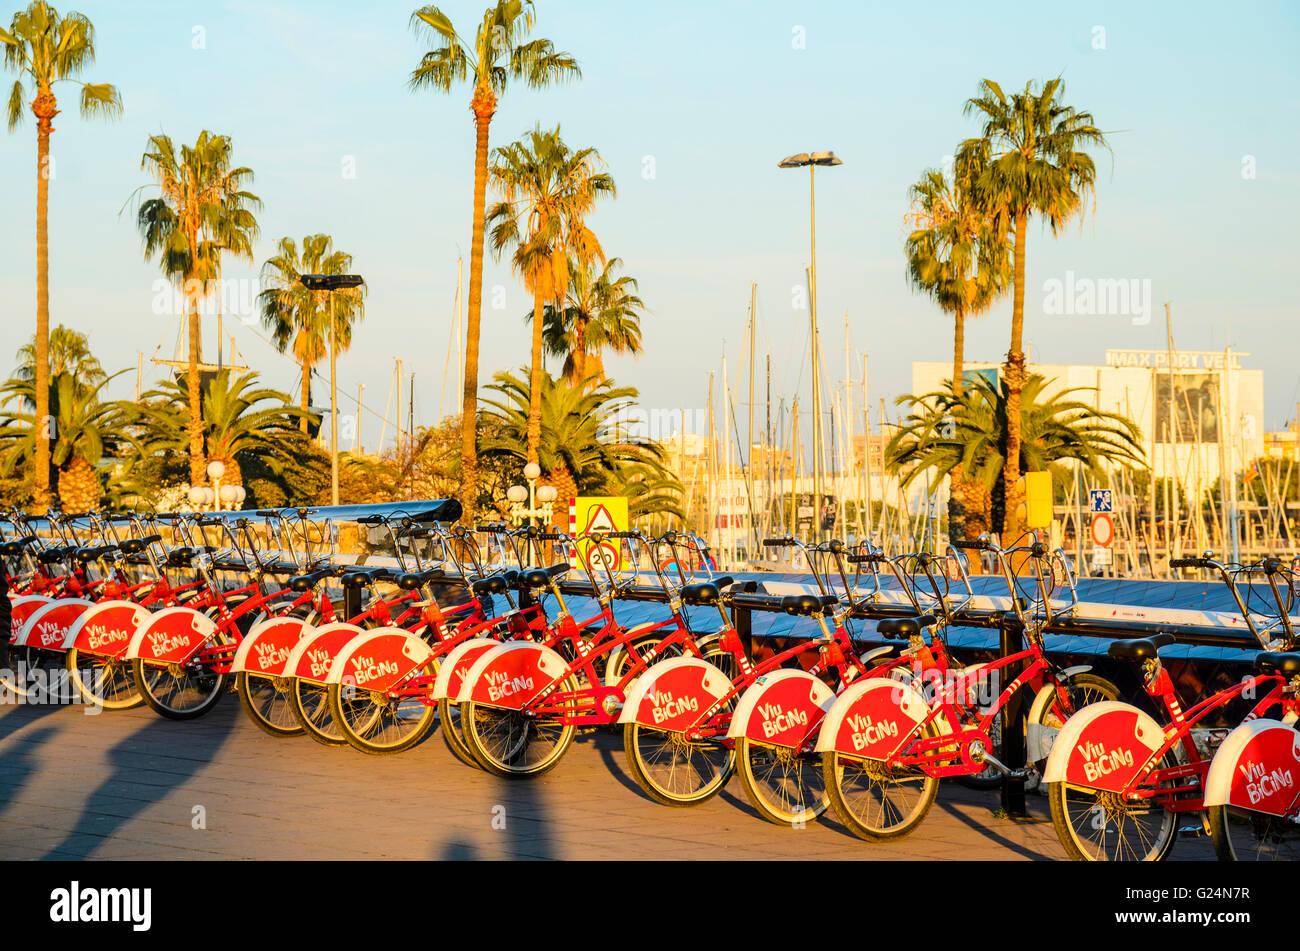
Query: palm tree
x,y
46,49
239,419
300,319
601,312
69,352
85,430
584,446
1032,149
500,53
957,254
547,192
944,430
202,210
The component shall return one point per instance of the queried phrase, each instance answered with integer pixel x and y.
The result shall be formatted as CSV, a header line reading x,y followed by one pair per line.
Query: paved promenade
x,y
135,786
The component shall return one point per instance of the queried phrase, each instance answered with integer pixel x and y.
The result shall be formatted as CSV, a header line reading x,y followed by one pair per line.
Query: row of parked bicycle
x,y
473,631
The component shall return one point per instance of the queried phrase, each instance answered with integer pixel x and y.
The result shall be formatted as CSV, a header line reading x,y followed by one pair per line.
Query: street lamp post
x,y
331,283
812,161
535,501
231,495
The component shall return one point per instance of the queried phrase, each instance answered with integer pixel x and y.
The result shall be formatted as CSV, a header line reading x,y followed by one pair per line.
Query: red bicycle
x,y
1118,781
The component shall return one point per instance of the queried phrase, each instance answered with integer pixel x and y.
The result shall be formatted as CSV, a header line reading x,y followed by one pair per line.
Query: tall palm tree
x,y
957,253
499,53
1032,147
547,192
973,430
601,312
45,49
202,210
300,319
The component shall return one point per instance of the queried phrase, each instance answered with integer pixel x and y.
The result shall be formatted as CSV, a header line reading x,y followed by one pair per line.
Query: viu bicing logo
x,y
42,686
77,904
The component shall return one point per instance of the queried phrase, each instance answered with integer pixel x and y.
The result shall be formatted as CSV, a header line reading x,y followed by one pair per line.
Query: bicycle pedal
x,y
1191,832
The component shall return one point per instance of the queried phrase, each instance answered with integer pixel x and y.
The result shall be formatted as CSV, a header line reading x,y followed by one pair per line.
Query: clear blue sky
x,y
716,93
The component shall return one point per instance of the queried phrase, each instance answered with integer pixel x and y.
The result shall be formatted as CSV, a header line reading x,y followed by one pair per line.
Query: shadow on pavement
x,y
985,829
187,746
19,764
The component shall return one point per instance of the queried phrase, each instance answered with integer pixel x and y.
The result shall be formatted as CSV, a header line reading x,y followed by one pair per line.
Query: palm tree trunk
x,y
306,397
580,353
79,486
535,383
1014,370
483,106
44,107
198,465
957,527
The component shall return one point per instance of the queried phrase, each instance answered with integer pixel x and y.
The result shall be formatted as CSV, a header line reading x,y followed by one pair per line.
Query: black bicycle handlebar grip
x,y
1185,563
777,542
209,521
269,513
551,536
858,558
965,543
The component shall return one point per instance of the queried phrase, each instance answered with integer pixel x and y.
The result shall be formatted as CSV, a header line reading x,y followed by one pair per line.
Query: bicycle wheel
x,y
268,701
876,802
182,691
311,708
509,743
1097,826
26,671
372,721
453,733
1241,836
104,681
783,786
672,768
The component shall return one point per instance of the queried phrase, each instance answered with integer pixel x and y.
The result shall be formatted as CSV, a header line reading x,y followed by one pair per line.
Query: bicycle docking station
x,y
1011,641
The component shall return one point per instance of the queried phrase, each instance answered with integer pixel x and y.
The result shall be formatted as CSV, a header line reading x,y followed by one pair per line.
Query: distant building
x,y
1211,420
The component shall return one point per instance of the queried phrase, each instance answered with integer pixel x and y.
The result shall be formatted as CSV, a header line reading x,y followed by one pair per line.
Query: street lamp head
x,y
330,282
546,493
517,494
216,470
803,159
532,471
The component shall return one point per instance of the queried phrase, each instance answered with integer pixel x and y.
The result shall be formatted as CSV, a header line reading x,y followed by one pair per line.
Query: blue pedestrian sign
x,y
1100,500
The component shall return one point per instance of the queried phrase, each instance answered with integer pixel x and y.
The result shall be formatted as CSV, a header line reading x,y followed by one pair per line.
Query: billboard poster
x,y
1195,407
